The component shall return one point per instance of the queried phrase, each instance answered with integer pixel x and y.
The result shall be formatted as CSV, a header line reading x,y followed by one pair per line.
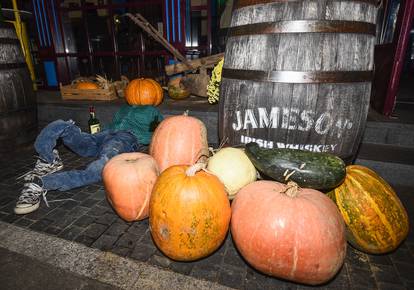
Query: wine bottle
x,y
93,122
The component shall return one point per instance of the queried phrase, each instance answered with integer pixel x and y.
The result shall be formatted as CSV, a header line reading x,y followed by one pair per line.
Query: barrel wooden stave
x,y
335,102
18,111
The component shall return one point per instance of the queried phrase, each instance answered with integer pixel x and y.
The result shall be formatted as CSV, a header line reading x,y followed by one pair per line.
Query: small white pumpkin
x,y
233,168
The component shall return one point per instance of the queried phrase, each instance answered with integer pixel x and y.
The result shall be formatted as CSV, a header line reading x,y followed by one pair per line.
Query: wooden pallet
x,y
70,92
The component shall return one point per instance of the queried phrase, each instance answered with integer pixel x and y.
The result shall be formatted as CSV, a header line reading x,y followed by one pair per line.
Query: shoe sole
x,y
26,209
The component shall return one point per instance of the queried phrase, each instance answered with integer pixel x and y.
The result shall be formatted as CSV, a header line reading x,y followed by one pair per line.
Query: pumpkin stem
x,y
192,170
292,189
186,112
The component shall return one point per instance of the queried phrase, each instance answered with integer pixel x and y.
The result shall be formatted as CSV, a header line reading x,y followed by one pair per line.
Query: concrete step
x,y
389,133
393,163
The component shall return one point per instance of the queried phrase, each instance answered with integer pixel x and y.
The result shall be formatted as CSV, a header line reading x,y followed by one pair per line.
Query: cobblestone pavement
x,y
88,219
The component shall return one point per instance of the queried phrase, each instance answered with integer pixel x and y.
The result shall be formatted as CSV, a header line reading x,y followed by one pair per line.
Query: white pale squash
x,y
233,168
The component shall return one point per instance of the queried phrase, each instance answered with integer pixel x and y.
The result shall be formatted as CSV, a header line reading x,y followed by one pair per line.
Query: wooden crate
x,y
70,92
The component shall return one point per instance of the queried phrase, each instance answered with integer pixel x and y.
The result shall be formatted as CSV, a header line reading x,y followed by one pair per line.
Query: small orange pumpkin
x,y
144,92
129,179
189,213
87,86
176,90
179,140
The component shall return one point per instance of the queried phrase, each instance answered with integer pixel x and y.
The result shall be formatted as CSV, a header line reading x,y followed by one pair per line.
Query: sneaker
x,y
43,168
29,200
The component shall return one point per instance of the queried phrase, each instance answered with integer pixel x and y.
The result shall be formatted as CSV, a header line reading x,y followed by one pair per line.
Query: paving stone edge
x,y
103,266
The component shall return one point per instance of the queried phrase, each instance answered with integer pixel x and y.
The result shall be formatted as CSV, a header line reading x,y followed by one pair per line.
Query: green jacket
x,y
139,120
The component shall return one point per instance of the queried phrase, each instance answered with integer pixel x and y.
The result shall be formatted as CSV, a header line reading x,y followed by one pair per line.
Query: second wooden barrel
x,y
18,109
297,74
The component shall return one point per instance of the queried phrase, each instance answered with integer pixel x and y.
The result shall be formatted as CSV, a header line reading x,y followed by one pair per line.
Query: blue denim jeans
x,y
103,145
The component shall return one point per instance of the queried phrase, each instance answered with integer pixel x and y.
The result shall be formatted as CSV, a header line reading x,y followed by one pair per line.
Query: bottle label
x,y
95,128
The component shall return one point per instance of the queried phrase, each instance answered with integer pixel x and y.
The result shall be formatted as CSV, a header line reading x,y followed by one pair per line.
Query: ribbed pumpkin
x,y
176,89
189,213
129,179
294,234
179,140
374,215
233,168
87,86
144,92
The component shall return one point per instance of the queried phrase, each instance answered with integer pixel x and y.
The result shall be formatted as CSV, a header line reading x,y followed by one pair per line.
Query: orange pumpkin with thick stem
x,y
129,179
292,233
189,213
87,86
179,140
144,92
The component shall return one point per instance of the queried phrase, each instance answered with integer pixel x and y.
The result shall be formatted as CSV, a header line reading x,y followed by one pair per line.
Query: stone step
x,y
386,153
389,133
393,163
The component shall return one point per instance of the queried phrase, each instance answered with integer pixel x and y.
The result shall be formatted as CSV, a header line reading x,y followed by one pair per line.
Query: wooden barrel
x,y
18,110
297,74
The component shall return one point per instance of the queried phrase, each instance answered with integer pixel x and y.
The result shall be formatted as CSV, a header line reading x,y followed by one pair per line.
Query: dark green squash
x,y
308,169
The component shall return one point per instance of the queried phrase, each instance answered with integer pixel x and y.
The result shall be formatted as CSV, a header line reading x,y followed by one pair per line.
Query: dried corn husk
x,y
121,85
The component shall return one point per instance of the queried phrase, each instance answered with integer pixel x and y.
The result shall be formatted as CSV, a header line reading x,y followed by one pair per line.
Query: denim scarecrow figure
x,y
130,130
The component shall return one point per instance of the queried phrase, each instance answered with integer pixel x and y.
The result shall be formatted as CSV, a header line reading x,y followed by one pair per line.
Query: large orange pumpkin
x,y
87,86
143,92
374,215
189,213
295,234
179,140
129,179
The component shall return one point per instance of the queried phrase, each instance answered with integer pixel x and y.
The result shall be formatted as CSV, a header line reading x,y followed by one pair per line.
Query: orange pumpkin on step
x,y
87,86
189,213
144,92
129,179
179,140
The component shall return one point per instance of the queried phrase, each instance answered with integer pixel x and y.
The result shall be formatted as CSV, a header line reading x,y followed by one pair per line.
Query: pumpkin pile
x,y
285,227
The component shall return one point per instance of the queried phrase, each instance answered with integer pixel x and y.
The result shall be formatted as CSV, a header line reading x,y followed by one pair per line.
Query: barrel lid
x,y
244,3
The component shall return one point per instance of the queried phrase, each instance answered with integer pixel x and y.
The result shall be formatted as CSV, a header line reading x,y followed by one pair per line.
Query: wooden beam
x,y
147,27
193,64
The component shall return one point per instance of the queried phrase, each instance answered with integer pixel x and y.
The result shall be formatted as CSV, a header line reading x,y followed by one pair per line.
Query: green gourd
x,y
320,171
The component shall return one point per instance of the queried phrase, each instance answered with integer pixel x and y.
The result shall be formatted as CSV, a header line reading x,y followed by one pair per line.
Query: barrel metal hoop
x,y
304,26
245,3
5,66
299,77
